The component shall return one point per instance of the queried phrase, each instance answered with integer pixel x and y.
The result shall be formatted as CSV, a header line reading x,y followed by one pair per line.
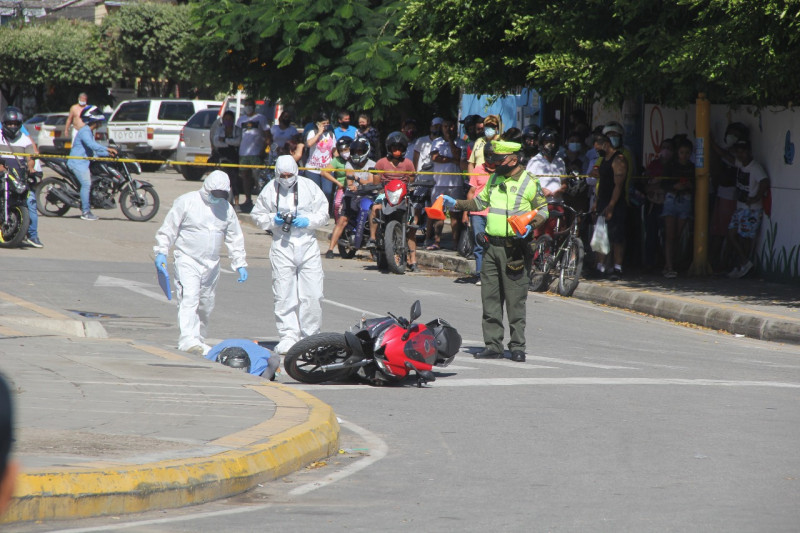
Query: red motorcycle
x,y
379,350
402,207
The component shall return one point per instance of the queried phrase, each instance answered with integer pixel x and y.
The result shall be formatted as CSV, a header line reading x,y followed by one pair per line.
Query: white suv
x,y
151,129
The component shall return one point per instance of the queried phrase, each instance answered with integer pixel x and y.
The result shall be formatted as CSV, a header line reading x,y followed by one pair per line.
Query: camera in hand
x,y
288,218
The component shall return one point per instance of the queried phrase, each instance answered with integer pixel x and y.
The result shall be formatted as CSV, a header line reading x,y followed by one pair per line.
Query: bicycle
x,y
562,252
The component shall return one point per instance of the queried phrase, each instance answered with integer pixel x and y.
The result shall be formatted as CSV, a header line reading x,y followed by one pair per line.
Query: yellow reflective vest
x,y
506,197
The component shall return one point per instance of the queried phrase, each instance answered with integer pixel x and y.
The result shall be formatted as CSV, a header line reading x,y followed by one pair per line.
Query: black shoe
x,y
246,207
615,275
488,354
329,254
518,356
412,267
33,242
371,244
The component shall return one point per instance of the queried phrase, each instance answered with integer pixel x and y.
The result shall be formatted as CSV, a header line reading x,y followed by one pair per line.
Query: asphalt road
x,y
617,422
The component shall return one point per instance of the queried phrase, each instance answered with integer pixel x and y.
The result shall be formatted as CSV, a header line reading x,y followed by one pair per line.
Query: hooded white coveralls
x,y
197,227
296,265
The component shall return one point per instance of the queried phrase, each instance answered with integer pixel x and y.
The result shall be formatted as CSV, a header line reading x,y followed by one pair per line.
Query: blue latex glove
x,y
242,274
278,220
161,262
528,230
300,222
449,202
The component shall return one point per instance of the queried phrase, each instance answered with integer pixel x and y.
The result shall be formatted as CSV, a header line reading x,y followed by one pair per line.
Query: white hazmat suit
x,y
196,225
296,265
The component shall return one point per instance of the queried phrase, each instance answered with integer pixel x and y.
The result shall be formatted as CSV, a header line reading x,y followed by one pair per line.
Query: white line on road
x,y
133,286
377,449
505,382
350,307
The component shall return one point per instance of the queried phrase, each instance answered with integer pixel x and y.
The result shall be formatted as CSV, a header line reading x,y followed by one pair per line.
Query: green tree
x,y
155,43
57,53
313,54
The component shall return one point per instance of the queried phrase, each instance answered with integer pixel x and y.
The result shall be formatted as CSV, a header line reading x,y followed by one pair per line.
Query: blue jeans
x,y
85,178
478,223
33,229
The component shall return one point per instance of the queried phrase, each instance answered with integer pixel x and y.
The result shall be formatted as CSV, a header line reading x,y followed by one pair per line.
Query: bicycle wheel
x,y
571,266
541,263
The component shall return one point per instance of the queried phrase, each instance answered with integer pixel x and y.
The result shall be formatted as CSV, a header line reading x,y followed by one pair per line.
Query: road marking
x,y
133,286
556,360
350,307
506,382
377,451
49,313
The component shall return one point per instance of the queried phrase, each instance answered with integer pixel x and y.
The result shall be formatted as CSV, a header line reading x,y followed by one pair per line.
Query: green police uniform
x,y
501,283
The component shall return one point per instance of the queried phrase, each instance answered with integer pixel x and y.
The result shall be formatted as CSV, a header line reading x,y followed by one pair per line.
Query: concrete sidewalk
x,y
110,426
749,306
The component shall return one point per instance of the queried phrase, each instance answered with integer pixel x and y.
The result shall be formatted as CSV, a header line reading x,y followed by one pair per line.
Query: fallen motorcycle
x,y
381,351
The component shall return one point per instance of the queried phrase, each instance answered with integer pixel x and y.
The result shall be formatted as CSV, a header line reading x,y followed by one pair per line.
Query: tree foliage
x,y
153,41
314,54
736,51
60,52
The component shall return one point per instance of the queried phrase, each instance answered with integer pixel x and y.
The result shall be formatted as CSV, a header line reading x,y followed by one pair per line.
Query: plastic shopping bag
x,y
600,242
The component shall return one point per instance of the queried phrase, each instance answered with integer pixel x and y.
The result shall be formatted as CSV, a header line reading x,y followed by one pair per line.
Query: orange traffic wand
x,y
436,211
518,222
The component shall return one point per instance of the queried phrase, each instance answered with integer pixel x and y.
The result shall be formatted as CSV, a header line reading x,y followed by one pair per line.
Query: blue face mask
x,y
574,147
489,132
616,142
213,199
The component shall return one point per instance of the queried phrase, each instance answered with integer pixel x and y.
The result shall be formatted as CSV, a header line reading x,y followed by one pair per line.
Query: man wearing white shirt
x,y
548,168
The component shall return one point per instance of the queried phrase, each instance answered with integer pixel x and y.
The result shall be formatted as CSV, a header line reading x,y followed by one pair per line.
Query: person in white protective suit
x,y
196,225
292,207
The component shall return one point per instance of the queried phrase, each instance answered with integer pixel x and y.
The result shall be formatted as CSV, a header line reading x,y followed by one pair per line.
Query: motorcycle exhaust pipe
x,y
63,196
345,364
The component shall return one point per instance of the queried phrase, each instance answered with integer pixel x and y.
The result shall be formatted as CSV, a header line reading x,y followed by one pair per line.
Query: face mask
x,y
81,103
397,154
248,110
345,155
730,139
287,183
213,199
344,125
574,147
601,153
490,132
504,169
363,127
615,141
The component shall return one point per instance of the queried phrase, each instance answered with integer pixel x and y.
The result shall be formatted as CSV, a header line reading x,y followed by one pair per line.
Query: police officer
x,y
506,268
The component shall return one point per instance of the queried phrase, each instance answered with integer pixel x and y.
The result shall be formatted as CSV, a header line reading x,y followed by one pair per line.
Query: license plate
x,y
130,136
201,159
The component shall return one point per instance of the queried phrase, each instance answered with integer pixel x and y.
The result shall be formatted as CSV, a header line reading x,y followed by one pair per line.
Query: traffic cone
x,y
518,222
436,211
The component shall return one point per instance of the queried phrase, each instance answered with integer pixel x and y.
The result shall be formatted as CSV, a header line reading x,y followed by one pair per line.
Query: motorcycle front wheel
x,y
395,247
140,206
304,360
15,227
346,251
48,203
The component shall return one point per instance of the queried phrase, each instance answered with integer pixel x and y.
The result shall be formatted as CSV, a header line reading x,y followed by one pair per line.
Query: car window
x,y
132,112
55,120
202,120
175,111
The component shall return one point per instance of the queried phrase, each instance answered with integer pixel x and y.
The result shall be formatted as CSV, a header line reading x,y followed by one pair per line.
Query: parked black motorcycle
x,y
137,199
13,209
402,206
356,233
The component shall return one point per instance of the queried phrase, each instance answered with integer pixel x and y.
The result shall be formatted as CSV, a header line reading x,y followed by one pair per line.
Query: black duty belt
x,y
502,241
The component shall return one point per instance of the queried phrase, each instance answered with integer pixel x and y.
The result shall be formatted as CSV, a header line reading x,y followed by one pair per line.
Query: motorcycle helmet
x,y
12,122
343,144
396,138
395,191
92,114
234,357
576,187
548,142
359,151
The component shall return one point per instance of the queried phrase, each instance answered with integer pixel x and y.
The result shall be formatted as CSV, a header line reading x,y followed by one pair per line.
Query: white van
x,y
151,128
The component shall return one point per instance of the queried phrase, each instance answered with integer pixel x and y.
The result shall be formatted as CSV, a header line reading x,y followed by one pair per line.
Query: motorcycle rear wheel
x,y
141,207
346,251
14,229
395,247
46,203
304,359
541,264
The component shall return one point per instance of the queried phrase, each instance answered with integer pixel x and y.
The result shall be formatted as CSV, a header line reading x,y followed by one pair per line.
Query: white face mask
x,y
287,183
82,103
345,155
730,139
248,110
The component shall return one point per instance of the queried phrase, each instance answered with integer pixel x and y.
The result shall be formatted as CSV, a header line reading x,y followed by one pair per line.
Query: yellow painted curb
x,y
111,489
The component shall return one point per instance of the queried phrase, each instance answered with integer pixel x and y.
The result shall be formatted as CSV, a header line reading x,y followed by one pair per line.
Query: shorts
x,y
677,205
723,211
746,222
616,226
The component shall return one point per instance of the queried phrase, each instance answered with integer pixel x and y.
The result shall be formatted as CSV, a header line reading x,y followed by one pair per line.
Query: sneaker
x,y
371,244
615,275
413,267
87,215
478,283
744,269
733,274
329,254
33,241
